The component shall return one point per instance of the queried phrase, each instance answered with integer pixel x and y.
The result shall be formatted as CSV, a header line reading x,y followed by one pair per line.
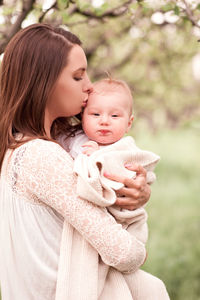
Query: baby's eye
x,y
114,115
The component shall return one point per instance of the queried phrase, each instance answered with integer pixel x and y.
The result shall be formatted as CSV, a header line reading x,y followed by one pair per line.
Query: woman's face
x,y
70,93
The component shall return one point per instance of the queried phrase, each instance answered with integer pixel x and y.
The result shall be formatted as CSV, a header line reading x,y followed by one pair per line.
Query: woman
x,y
43,84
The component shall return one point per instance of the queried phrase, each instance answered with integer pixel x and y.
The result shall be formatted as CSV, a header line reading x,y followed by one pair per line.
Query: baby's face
x,y
107,118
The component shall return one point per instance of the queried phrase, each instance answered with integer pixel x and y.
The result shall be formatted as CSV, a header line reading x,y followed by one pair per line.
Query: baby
x,y
102,148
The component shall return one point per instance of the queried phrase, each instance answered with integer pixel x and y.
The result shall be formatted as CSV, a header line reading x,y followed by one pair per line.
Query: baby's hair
x,y
110,85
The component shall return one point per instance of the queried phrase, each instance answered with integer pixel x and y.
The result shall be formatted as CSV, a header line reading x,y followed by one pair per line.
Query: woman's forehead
x,y
77,59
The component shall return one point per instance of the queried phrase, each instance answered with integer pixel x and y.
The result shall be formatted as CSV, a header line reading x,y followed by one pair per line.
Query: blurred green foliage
x,y
174,214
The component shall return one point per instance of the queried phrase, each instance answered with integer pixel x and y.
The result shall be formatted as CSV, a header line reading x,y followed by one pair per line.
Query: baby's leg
x,y
145,286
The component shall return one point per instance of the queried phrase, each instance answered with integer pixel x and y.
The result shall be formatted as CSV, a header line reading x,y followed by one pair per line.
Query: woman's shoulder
x,y
42,149
41,144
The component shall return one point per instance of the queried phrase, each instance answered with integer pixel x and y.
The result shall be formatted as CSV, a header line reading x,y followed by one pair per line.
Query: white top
x,y
37,190
73,144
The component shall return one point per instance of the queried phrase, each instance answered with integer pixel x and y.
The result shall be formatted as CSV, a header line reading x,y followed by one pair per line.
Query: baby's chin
x,y
103,137
107,142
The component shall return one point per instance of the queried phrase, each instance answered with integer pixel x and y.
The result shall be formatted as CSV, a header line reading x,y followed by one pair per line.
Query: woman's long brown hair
x,y
32,62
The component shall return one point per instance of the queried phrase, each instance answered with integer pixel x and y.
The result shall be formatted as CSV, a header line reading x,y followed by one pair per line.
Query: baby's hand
x,y
90,147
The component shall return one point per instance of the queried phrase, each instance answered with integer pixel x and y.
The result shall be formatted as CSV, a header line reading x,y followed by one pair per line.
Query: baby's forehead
x,y
104,87
114,101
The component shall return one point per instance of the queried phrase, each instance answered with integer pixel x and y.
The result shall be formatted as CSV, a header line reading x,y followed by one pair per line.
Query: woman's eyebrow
x,y
80,69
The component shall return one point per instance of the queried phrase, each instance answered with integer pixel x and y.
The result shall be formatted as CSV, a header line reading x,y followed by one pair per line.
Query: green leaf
x,y
176,10
185,19
134,6
7,11
105,6
145,7
65,17
62,4
198,6
84,6
167,7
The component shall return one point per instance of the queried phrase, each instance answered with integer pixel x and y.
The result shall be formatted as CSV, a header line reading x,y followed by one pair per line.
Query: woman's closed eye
x,y
79,75
96,114
78,78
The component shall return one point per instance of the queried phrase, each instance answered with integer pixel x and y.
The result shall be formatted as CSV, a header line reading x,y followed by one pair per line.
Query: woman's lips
x,y
84,103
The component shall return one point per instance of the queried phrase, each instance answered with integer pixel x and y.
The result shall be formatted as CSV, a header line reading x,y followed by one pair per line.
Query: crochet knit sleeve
x,y
45,174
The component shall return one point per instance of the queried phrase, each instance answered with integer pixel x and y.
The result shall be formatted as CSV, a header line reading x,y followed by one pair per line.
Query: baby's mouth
x,y
104,131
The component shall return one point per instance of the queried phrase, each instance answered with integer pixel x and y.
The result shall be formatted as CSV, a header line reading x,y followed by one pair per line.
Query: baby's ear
x,y
131,118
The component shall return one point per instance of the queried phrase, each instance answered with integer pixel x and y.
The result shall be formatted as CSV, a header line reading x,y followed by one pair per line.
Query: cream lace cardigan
x,y
38,192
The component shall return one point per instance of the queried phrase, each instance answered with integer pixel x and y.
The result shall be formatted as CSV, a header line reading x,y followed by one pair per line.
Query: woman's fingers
x,y
129,192
136,182
115,177
140,171
132,198
128,182
130,201
130,205
126,201
136,192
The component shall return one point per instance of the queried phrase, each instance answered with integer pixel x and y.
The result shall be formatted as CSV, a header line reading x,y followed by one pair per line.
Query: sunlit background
x,y
154,46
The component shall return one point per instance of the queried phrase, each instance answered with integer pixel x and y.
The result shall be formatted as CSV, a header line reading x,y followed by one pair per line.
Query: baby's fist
x,y
90,147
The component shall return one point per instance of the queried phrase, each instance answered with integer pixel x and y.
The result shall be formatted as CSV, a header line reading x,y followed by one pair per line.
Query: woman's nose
x,y
88,88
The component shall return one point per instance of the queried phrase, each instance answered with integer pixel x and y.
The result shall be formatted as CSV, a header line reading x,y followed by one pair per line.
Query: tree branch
x,y
190,15
90,51
112,68
27,7
117,11
54,5
103,40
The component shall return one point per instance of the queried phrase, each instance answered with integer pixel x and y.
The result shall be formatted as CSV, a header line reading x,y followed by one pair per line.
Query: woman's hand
x,y
136,192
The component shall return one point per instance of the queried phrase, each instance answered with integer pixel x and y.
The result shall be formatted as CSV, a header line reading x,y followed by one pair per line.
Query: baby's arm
x,y
90,147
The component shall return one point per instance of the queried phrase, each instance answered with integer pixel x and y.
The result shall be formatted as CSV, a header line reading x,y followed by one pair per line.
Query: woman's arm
x,y
48,174
136,191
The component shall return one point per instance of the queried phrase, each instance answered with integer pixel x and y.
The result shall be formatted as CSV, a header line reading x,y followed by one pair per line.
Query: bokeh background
x,y
154,46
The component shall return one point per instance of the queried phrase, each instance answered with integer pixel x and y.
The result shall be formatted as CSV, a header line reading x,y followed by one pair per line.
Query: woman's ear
x,y
131,118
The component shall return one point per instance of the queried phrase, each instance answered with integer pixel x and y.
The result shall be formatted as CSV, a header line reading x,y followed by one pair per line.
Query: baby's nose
x,y
104,119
